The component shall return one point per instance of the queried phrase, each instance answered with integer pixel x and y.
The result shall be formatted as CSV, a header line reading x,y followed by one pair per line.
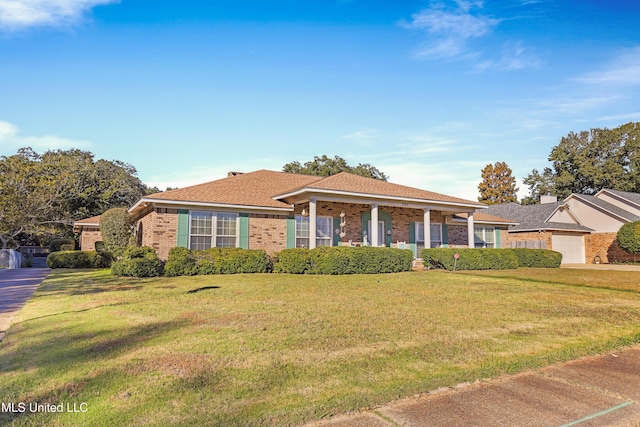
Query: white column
x,y
427,228
374,225
470,230
312,223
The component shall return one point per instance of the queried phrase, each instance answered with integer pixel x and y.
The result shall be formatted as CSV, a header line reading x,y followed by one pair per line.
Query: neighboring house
x,y
583,228
89,231
276,210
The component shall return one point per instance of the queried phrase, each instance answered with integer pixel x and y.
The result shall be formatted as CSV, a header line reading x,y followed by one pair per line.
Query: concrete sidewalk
x,y
594,391
16,286
616,267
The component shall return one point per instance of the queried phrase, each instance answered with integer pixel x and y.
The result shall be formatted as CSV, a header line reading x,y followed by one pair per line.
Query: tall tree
x,y
326,166
498,184
41,195
588,161
539,184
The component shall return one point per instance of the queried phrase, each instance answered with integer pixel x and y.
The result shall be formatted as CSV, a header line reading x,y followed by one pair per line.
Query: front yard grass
x,y
276,349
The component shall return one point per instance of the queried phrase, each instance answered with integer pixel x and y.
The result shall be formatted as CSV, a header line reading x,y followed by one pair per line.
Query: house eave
x,y
179,203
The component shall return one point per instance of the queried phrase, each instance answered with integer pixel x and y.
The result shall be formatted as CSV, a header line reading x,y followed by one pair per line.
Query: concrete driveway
x,y
16,286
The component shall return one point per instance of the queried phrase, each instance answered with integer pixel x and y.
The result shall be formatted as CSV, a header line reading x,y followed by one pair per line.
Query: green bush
x,y
137,262
185,262
295,261
343,260
469,259
78,259
537,258
629,237
56,244
116,229
181,262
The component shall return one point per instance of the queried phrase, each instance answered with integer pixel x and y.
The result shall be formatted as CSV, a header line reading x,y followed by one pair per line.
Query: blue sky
x,y
427,91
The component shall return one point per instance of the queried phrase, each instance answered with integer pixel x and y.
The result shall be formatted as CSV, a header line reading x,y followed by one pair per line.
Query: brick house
x,y
276,210
583,228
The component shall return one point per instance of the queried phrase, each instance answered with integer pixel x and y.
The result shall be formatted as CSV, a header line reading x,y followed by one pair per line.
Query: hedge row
x,y
539,258
489,259
78,259
186,262
137,262
343,260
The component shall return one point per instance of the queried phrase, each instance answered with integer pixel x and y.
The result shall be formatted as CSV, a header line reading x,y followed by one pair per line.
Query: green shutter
x,y
445,235
291,232
183,228
498,242
336,236
244,230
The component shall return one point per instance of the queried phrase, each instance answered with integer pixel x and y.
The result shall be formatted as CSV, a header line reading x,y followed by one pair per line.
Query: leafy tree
x,y
498,184
325,166
41,195
539,184
629,237
115,227
588,161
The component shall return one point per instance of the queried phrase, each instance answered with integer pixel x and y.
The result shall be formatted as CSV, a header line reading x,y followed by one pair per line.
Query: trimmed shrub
x,y
181,262
185,262
56,245
629,237
469,259
294,261
537,258
78,259
344,260
137,262
116,229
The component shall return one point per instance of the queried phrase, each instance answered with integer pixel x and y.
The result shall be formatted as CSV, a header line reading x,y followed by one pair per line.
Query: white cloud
x,y
624,70
11,139
450,30
22,14
514,57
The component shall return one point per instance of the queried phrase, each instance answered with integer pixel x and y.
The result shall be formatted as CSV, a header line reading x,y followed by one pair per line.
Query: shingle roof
x,y
249,189
533,217
484,217
633,197
263,187
609,207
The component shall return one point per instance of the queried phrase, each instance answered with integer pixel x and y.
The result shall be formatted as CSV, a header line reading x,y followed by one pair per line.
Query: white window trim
x,y
214,227
485,231
318,238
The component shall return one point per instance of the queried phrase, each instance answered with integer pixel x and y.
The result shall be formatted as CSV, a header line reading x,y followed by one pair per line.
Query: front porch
x,y
321,222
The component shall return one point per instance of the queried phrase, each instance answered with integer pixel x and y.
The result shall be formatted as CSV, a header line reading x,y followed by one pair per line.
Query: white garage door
x,y
571,248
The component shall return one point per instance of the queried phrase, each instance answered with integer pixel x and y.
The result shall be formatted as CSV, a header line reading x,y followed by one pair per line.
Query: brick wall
x,y
89,237
605,247
159,230
268,232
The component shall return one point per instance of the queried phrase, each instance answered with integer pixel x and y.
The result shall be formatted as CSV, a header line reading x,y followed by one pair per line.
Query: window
x,y
324,227
203,235
484,237
226,230
436,235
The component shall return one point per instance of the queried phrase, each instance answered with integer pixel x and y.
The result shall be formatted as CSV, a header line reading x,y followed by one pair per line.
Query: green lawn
x,y
279,349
